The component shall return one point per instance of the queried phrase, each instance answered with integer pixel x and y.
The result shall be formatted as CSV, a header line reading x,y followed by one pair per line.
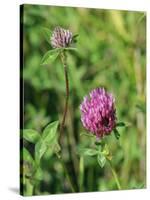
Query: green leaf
x,y
27,156
70,49
48,140
40,149
74,38
47,33
116,133
98,143
50,56
38,174
105,150
87,152
31,135
57,148
28,163
138,186
141,107
50,133
120,124
101,160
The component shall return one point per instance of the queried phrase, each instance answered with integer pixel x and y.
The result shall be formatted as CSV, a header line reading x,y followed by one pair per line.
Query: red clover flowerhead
x,y
98,113
61,38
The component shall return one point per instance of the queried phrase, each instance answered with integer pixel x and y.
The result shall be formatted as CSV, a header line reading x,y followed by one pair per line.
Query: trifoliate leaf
x,y
48,141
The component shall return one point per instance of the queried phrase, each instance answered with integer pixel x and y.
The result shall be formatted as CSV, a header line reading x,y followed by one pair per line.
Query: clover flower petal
x,y
61,38
98,113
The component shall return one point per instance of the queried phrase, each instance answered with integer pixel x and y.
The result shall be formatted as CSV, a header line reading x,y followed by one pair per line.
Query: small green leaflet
x,y
31,135
49,133
120,124
48,140
74,38
40,149
50,56
105,150
101,160
87,152
117,135
28,162
141,107
38,174
27,156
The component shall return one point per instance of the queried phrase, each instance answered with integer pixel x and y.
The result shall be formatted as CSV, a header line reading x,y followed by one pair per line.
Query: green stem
x,y
81,175
63,59
29,188
67,174
115,175
64,62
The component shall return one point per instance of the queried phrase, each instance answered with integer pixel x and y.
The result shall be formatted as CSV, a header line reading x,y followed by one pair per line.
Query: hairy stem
x,y
63,59
64,62
115,175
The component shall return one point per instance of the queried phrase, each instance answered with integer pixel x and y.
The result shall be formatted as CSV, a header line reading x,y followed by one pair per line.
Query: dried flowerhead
x,y
61,38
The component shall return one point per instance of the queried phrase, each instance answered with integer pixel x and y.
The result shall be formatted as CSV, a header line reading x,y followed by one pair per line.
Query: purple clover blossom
x,y
61,38
98,113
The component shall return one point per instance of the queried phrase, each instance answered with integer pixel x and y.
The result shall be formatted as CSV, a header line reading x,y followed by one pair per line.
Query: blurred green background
x,y
111,54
